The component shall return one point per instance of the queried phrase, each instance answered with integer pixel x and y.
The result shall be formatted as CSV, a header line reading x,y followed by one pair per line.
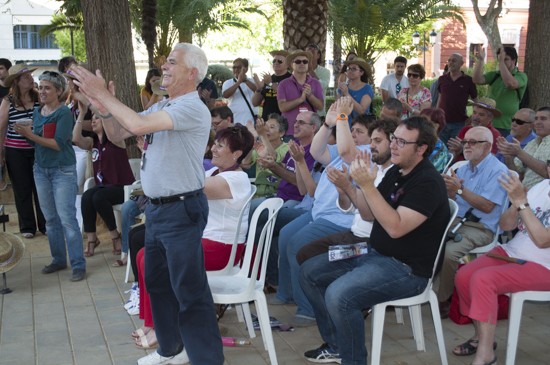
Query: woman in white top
x,y
480,282
227,188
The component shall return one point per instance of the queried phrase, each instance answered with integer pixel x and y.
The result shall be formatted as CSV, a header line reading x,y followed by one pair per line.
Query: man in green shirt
x,y
506,86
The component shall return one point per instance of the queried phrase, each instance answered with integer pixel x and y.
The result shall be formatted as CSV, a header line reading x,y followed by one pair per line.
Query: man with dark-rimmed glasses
x,y
473,186
410,211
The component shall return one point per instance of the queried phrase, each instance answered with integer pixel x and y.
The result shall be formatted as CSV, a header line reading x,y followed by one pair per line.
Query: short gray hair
x,y
194,57
55,78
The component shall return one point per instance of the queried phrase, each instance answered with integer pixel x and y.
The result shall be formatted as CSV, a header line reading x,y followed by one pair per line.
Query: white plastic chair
x,y
414,304
231,268
516,308
455,166
243,288
451,158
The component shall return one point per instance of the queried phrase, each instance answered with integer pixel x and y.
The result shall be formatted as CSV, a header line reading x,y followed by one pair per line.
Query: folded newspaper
x,y
341,252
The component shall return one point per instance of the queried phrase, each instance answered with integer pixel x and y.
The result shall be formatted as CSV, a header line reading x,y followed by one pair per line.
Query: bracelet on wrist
x,y
326,125
106,116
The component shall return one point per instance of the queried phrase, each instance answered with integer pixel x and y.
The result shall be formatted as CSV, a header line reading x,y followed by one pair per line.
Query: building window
x,y
28,37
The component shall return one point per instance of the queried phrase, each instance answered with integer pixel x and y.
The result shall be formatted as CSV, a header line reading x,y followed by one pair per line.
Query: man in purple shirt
x,y
454,90
300,92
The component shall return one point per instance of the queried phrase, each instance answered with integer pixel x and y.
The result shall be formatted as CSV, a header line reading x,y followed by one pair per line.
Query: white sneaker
x,y
155,359
134,297
134,311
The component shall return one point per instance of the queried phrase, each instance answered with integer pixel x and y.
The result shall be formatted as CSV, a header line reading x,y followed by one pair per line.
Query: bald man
x,y
454,90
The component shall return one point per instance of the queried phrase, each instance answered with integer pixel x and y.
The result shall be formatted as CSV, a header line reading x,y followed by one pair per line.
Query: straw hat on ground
x,y
11,251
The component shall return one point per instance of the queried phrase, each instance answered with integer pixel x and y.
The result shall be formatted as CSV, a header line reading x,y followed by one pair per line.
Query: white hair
x,y
484,131
194,57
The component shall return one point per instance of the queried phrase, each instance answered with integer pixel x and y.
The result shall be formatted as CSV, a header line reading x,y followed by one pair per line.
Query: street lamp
x,y
424,46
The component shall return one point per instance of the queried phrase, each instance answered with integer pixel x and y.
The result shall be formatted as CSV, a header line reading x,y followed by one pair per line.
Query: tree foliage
x,y
370,27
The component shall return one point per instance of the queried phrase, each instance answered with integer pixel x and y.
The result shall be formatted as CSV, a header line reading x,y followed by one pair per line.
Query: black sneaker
x,y
78,275
51,268
323,355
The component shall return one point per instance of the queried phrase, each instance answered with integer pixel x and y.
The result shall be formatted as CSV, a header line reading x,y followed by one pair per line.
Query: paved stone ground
x,y
50,320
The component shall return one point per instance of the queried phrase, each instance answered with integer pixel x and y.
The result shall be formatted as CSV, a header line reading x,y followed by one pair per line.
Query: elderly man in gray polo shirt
x,y
176,133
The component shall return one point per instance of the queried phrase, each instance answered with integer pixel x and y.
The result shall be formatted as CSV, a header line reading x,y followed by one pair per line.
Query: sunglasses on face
x,y
519,121
277,61
413,76
353,69
298,62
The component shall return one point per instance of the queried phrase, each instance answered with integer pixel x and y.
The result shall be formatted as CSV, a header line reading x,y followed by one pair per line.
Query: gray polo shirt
x,y
174,158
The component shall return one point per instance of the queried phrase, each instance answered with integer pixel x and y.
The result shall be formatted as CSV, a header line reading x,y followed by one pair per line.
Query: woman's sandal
x,y
92,245
143,342
140,332
117,245
121,262
469,348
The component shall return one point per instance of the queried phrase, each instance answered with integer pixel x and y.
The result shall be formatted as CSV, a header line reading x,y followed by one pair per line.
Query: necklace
x,y
45,111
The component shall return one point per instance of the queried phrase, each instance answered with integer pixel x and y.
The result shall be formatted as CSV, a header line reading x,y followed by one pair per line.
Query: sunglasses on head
x,y
413,76
277,61
519,121
305,62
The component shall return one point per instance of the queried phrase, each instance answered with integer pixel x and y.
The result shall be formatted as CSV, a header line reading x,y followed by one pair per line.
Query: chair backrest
x,y
455,166
272,206
451,158
245,208
454,211
135,165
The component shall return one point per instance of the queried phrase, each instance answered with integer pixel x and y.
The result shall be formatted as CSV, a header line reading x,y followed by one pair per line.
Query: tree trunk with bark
x,y
537,52
148,28
109,48
489,23
305,22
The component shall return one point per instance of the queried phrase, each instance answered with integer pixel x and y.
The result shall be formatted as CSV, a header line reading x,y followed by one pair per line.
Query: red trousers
x,y
216,255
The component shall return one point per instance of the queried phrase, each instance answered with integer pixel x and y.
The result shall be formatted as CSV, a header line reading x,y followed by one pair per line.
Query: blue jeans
x,y
340,290
129,211
56,188
292,238
181,301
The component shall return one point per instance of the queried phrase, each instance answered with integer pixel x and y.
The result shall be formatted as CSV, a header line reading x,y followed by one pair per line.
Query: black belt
x,y
174,198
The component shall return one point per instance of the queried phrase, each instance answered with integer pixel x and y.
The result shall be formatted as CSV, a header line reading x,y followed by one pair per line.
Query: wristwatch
x,y
522,207
460,191
342,116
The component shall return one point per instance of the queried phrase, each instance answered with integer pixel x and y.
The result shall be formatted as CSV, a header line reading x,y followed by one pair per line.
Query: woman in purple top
x,y
111,172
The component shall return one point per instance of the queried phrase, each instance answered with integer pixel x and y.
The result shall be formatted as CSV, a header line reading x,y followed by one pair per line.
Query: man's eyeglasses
x,y
519,121
305,62
302,122
413,76
398,88
471,142
280,62
400,142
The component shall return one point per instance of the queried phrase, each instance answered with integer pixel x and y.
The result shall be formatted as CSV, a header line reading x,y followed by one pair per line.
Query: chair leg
x,y
378,315
399,315
128,266
265,326
248,319
516,308
434,306
417,327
